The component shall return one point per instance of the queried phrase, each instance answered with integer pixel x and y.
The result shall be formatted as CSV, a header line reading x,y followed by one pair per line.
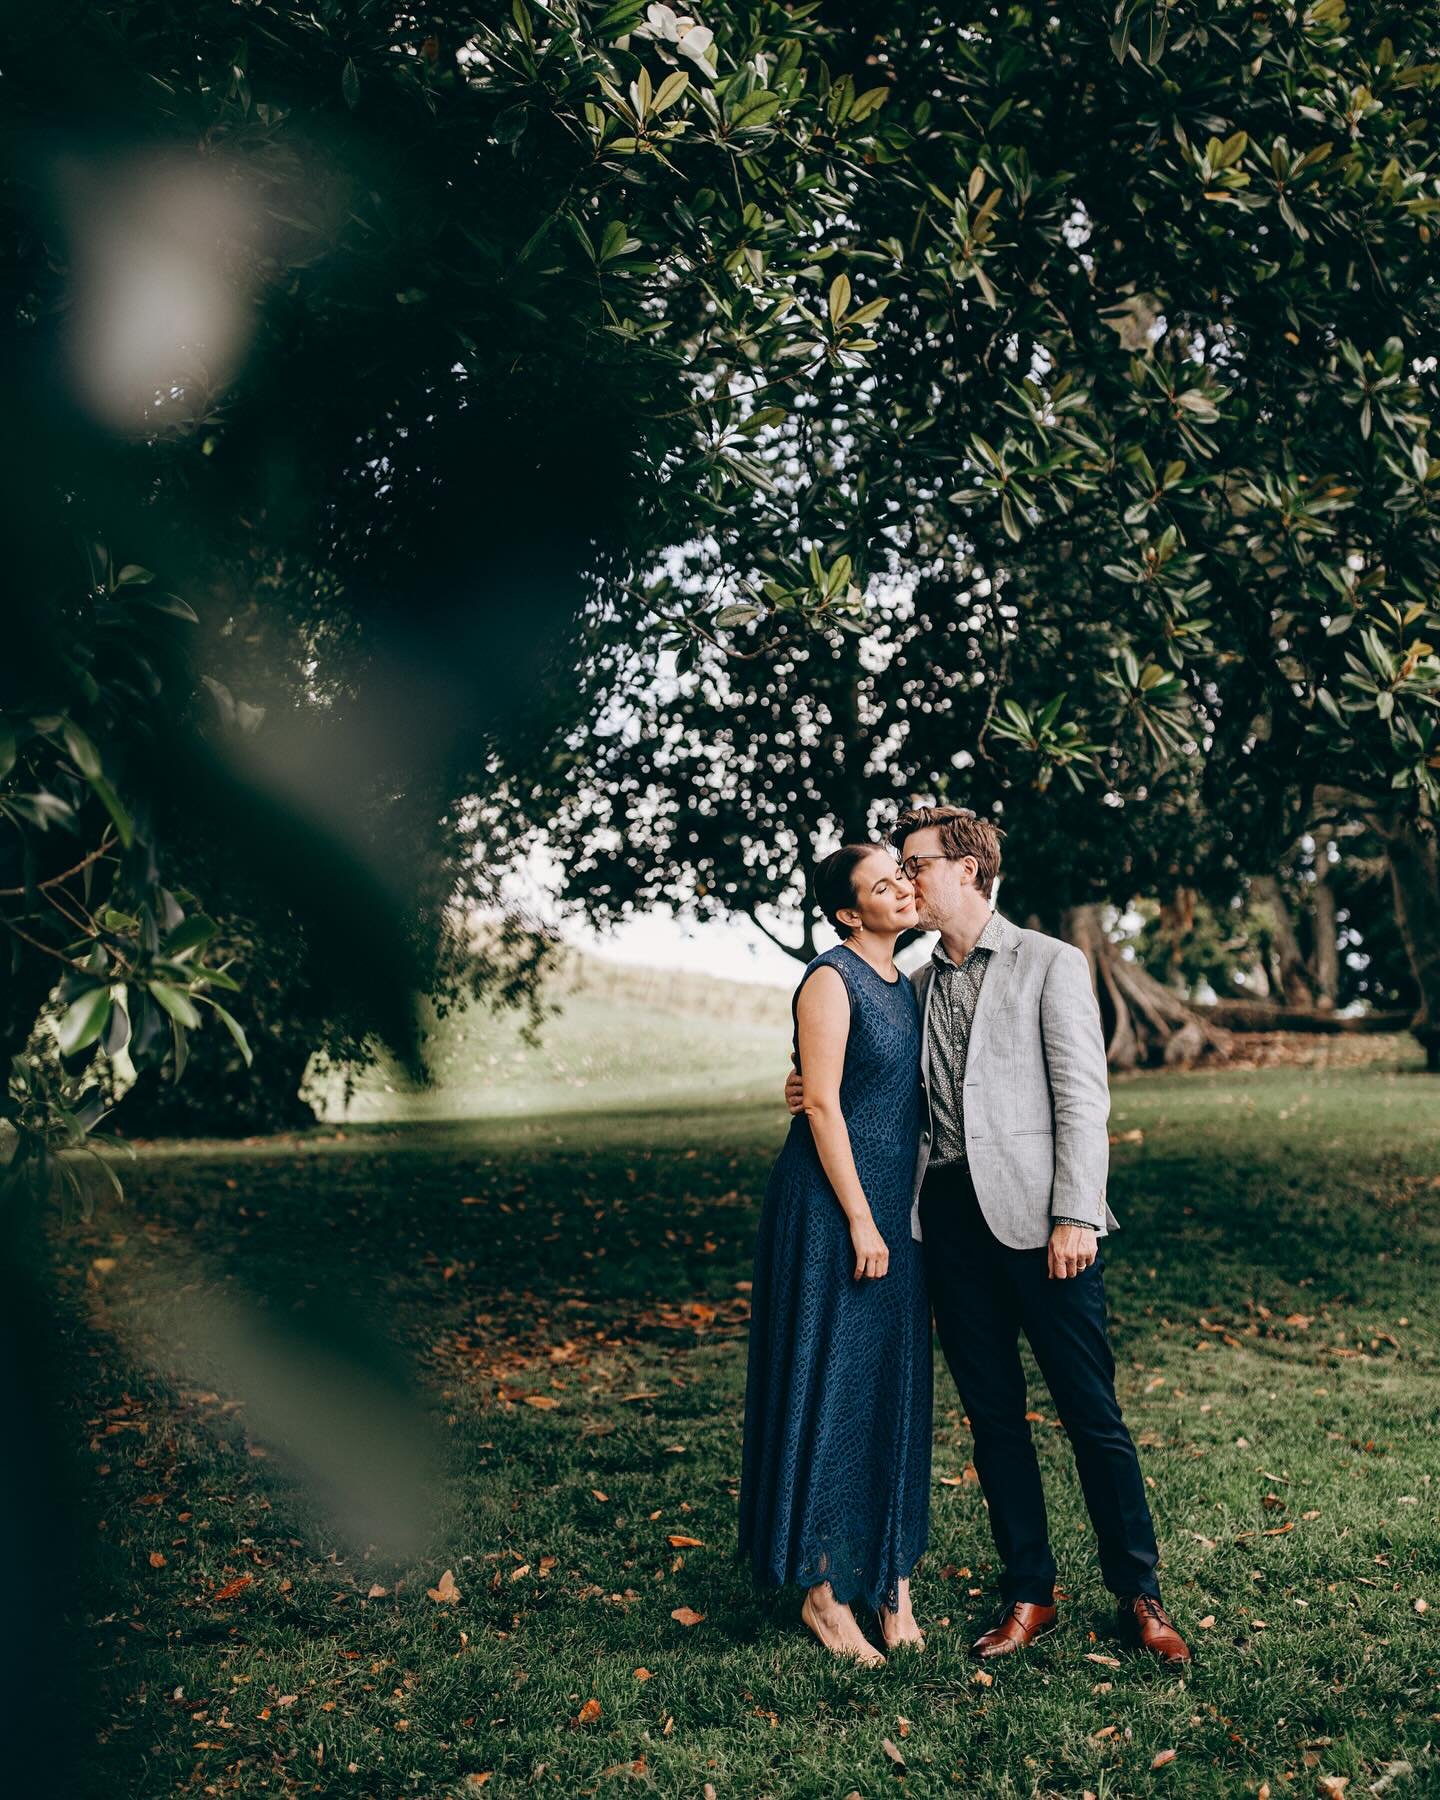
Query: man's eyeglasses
x,y
910,867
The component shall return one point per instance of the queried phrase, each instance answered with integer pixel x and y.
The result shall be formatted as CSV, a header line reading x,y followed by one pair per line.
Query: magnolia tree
x,y
1126,530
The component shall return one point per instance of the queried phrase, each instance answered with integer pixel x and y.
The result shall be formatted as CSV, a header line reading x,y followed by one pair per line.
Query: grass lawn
x,y
564,1294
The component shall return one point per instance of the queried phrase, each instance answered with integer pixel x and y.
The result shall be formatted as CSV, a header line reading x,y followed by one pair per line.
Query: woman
x,y
835,1481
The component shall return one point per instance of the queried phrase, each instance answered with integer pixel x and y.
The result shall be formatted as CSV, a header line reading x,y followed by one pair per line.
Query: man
x,y
1010,1203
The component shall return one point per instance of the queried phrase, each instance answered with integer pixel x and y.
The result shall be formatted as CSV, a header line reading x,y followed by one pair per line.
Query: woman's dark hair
x,y
834,881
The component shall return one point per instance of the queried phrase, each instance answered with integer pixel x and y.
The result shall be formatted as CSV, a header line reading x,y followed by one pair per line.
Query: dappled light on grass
x,y
1276,1345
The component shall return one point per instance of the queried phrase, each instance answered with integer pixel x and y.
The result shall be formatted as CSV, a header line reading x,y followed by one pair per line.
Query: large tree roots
x,y
1145,1024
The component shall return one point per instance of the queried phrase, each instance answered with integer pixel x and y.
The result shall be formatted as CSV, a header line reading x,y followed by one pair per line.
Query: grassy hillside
x,y
624,1038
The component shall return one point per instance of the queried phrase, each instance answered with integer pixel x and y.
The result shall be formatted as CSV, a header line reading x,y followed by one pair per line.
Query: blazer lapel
x,y
924,982
992,989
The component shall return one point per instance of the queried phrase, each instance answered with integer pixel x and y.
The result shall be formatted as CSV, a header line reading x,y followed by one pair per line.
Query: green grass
x,y
1274,1320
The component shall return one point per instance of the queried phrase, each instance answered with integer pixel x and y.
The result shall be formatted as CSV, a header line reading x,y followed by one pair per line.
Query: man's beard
x,y
925,917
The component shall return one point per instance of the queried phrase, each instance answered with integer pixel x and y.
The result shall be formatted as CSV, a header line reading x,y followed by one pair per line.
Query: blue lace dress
x,y
835,1478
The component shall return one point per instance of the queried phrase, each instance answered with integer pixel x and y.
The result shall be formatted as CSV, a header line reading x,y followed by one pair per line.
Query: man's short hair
x,y
962,833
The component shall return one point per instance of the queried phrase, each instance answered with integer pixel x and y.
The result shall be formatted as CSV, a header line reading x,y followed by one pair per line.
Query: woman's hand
x,y
872,1253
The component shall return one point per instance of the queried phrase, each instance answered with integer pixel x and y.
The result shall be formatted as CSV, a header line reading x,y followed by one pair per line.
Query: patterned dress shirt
x,y
955,994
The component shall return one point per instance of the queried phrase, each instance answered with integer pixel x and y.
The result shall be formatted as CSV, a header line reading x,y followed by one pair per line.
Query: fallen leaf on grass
x,y
544,1400
589,1713
677,1541
643,1674
1105,1731
1422,1606
904,1725
643,1394
232,1588
157,1560
1279,1530
477,1780
1110,1662
524,1569
377,1592
445,1590
894,1754
1207,1622
638,1767
687,1615
1161,1758
983,1678
1333,1786
598,1495
964,1479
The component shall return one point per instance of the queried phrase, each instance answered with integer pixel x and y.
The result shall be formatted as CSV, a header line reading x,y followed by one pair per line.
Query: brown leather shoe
x,y
1145,1625
1018,1627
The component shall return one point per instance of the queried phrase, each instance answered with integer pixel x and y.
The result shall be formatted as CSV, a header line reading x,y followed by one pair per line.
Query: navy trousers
x,y
984,1295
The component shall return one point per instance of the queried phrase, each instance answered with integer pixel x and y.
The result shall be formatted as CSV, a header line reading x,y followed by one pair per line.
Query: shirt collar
x,y
989,939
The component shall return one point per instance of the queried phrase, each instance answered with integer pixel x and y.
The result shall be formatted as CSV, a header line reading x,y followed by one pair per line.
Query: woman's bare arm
x,y
822,1015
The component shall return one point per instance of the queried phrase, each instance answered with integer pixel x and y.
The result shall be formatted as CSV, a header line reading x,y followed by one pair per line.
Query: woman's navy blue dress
x,y
835,1480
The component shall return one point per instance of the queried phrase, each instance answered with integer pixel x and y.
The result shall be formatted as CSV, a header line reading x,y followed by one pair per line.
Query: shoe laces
x,y
1150,1604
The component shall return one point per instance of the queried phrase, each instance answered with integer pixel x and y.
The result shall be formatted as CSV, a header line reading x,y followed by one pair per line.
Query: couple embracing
x,y
949,1150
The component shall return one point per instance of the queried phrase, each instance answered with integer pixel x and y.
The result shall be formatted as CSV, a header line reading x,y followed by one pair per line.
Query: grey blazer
x,y
1037,1099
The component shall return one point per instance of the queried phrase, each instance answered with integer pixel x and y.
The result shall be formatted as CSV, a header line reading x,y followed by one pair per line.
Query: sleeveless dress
x,y
835,1477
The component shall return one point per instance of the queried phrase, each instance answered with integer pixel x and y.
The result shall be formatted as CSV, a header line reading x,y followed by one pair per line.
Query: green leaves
x,y
83,1020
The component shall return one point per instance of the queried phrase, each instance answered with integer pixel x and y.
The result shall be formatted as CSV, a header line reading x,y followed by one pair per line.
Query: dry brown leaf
x,y
542,1400
677,1541
481,1776
1278,1530
232,1588
1422,1606
643,1674
1207,1623
1105,1731
524,1569
1110,1662
1161,1758
1333,1786
904,1725
687,1615
157,1561
377,1592
589,1713
983,1678
598,1495
893,1753
445,1590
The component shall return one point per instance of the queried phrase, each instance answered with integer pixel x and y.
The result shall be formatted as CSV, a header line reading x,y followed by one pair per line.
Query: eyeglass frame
x,y
909,866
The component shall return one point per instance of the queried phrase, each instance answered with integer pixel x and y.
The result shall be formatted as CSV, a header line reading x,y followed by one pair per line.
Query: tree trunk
x,y
1326,965
1145,1024
1415,881
1410,850
1294,983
